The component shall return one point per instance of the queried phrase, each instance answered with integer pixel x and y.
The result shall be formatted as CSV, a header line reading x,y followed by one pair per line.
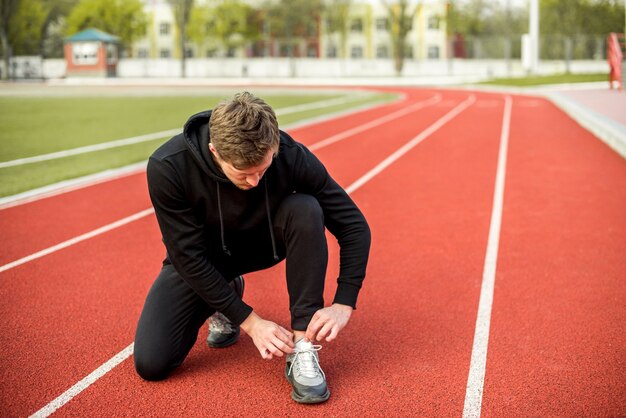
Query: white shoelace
x,y
308,364
219,323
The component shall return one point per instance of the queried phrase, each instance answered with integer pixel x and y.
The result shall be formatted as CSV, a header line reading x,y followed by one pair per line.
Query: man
x,y
234,194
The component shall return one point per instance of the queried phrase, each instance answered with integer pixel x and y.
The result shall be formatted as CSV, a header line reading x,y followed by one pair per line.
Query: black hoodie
x,y
201,213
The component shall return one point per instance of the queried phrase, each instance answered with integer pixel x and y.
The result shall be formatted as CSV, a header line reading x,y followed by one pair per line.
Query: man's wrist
x,y
249,322
347,308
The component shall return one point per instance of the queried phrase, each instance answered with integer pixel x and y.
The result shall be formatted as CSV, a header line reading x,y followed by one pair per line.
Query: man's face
x,y
244,179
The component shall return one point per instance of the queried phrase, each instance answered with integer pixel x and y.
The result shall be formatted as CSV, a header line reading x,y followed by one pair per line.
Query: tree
x,y
8,8
55,12
401,19
123,18
230,24
182,12
294,20
24,28
337,14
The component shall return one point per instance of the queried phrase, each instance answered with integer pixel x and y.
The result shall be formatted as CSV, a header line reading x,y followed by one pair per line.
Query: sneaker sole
x,y
309,399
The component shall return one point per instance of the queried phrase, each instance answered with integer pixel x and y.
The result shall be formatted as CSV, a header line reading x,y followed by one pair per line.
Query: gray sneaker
x,y
305,374
222,333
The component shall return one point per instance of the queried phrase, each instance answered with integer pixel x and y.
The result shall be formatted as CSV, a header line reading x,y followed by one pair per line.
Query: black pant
x,y
173,313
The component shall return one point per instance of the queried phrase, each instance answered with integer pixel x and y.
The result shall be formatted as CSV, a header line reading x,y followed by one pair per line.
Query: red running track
x,y
556,345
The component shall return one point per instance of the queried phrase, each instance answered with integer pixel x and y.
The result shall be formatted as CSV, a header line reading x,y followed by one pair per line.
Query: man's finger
x,y
313,328
265,353
333,333
282,346
324,331
286,336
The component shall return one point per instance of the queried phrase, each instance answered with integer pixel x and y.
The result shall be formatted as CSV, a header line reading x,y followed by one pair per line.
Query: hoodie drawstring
x,y
269,220
219,211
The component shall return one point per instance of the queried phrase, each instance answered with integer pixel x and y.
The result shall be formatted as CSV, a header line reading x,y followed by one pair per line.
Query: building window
x,y
142,53
232,52
433,22
188,53
331,51
210,53
164,29
356,25
382,24
164,53
85,53
311,51
433,52
408,52
382,52
356,52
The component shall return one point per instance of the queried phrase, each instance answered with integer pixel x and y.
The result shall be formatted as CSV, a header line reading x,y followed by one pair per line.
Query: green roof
x,y
92,34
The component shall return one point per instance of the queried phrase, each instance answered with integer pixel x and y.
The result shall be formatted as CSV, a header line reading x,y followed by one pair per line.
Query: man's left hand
x,y
328,322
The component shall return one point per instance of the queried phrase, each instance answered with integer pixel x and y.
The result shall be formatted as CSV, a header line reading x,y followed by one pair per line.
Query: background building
x,y
368,34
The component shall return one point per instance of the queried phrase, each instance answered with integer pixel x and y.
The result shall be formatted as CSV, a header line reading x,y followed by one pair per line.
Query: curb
x,y
606,129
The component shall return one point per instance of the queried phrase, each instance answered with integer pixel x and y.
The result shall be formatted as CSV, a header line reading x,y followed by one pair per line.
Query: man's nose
x,y
253,180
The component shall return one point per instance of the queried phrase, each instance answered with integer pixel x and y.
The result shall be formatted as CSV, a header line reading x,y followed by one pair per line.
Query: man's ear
x,y
213,150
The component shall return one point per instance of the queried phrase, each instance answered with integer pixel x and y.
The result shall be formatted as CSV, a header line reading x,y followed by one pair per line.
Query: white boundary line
x,y
162,134
77,239
476,377
85,383
72,392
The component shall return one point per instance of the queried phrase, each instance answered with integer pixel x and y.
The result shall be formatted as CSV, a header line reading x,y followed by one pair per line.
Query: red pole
x,y
614,57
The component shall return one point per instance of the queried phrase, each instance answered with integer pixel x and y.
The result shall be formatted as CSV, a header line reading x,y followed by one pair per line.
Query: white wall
x,y
325,68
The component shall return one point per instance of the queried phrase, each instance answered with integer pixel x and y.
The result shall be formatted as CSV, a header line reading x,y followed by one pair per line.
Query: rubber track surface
x,y
556,347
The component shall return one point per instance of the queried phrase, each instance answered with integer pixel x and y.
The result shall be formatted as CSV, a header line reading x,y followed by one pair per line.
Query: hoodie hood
x,y
196,133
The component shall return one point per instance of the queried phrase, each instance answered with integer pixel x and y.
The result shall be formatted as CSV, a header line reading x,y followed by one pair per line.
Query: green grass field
x,y
549,79
31,126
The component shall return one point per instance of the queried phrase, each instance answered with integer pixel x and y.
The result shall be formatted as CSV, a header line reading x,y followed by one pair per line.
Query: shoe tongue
x,y
304,345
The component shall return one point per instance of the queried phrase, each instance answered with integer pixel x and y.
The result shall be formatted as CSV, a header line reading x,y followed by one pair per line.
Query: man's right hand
x,y
269,338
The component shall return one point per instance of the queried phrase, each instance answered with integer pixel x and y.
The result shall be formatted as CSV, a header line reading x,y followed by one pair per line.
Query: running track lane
x,y
187,390
54,220
99,307
558,341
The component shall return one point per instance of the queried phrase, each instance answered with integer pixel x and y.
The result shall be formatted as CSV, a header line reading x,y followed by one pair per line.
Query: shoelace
x,y
219,323
307,362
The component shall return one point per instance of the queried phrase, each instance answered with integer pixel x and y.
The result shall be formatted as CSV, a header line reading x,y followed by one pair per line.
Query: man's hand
x,y
328,322
269,338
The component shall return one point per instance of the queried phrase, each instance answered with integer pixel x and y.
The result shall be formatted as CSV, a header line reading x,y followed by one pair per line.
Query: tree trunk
x,y
398,57
6,49
183,56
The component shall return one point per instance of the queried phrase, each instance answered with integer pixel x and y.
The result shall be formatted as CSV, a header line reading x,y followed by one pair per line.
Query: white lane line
x,y
476,377
89,148
69,394
162,134
376,122
412,143
77,239
128,351
66,186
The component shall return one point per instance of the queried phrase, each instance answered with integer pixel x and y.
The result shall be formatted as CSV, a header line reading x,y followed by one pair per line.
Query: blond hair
x,y
243,129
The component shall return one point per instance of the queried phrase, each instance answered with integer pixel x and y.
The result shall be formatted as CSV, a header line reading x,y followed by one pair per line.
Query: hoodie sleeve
x,y
343,219
185,243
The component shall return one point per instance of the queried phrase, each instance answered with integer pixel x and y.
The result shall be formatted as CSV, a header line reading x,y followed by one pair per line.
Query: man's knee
x,y
302,211
152,366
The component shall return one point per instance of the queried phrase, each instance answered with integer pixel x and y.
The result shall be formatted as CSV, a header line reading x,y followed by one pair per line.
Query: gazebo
x,y
91,53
